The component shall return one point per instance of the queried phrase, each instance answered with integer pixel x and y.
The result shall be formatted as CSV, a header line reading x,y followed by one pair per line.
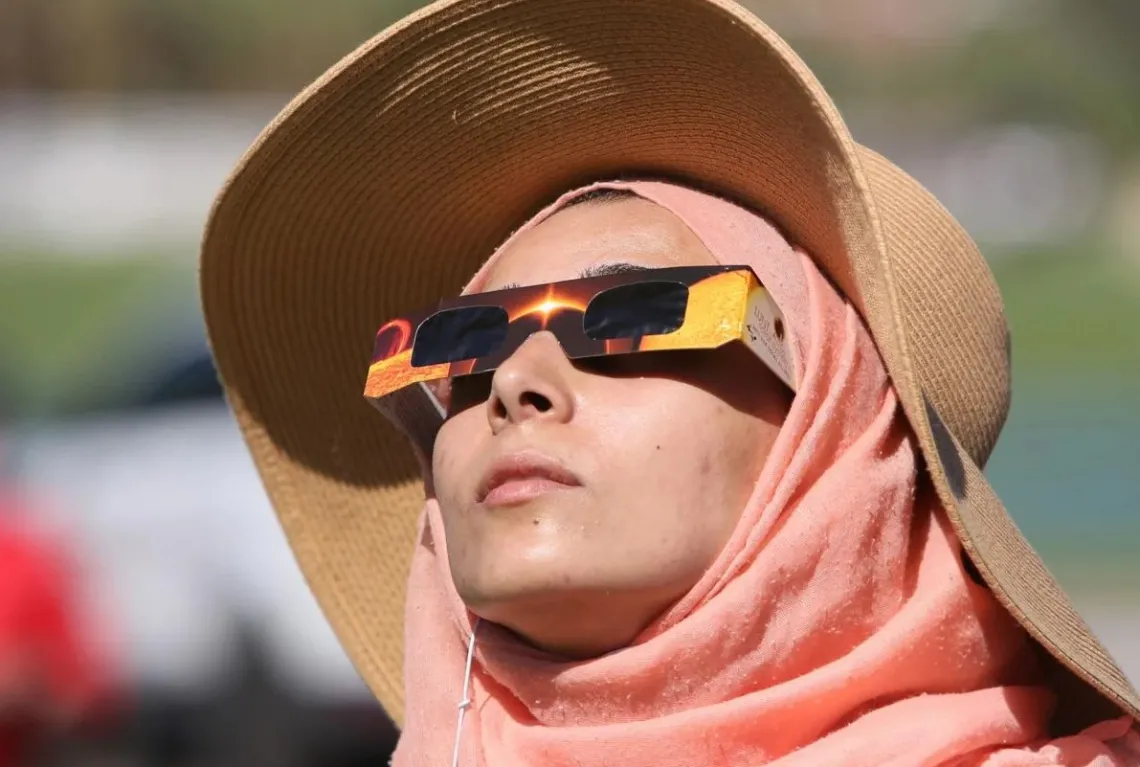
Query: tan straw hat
x,y
384,185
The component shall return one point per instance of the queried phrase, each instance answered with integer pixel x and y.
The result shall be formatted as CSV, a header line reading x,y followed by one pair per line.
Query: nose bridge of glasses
x,y
535,348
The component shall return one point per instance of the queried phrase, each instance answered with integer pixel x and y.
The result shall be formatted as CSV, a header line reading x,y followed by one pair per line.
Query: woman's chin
x,y
561,609
530,583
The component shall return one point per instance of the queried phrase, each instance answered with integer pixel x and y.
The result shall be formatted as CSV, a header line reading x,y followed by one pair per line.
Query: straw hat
x,y
385,184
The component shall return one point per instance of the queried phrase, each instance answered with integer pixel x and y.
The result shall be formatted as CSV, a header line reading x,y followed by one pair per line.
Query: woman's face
x,y
581,499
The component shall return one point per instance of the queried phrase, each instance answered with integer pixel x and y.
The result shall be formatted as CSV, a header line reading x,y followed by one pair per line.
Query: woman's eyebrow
x,y
597,270
618,267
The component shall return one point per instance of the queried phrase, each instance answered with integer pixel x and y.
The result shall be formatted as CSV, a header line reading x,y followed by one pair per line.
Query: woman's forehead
x,y
582,238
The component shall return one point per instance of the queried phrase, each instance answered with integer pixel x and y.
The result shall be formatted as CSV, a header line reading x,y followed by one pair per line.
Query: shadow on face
x,y
581,499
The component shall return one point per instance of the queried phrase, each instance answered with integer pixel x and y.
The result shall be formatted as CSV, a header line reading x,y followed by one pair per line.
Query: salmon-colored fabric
x,y
838,626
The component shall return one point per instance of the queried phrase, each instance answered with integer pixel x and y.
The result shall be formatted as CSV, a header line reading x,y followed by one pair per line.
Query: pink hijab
x,y
837,627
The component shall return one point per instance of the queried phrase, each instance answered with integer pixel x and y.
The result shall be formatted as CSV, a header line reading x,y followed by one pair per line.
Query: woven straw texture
x,y
384,184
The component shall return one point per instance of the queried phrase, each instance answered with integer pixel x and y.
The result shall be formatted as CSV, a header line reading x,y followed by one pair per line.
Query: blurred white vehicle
x,y
180,549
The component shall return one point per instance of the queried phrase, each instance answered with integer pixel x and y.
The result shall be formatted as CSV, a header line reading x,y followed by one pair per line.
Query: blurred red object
x,y
50,675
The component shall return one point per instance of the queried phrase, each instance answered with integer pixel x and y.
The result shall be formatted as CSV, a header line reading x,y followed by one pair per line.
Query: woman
x,y
691,472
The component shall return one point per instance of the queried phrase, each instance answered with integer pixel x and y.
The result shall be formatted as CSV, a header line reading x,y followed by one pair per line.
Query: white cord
x,y
466,702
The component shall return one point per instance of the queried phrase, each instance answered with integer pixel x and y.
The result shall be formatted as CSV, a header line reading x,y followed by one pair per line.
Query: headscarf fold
x,y
837,627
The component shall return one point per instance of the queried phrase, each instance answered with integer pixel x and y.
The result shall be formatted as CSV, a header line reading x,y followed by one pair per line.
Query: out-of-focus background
x,y
141,571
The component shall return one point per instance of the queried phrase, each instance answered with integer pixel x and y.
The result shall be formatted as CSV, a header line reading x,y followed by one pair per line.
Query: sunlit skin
x,y
664,450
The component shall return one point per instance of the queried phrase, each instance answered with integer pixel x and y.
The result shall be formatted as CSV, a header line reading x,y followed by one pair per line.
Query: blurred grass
x,y
1073,315
63,324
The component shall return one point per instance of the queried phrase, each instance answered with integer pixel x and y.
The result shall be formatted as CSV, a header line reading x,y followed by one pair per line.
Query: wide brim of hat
x,y
384,185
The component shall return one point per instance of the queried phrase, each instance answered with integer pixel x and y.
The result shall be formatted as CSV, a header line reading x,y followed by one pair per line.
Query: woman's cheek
x,y
448,458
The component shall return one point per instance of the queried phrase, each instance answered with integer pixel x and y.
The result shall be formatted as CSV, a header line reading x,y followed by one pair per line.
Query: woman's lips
x,y
517,478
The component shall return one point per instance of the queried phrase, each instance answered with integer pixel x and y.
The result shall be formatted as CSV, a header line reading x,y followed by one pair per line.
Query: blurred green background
x,y
119,118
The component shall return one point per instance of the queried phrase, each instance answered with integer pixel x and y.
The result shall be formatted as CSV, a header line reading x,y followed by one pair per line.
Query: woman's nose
x,y
533,383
